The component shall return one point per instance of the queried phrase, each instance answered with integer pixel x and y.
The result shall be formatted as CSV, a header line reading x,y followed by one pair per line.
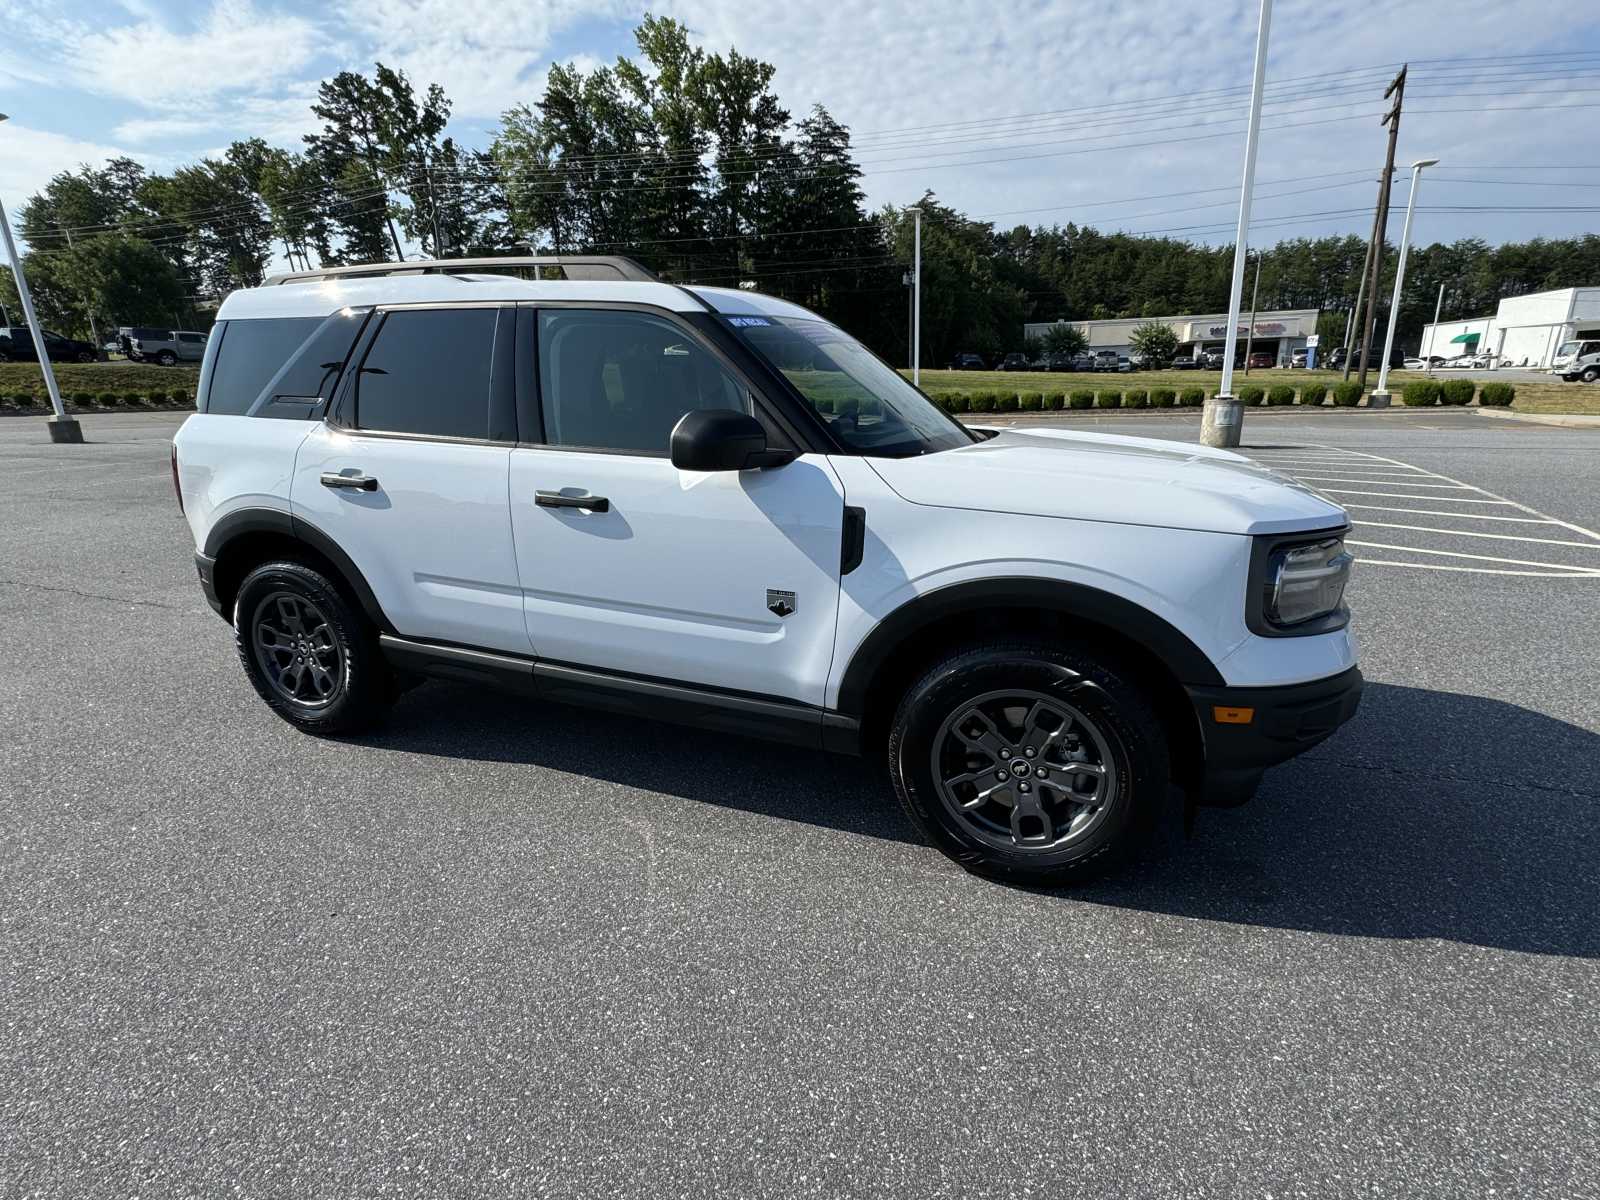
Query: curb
x,y
1567,420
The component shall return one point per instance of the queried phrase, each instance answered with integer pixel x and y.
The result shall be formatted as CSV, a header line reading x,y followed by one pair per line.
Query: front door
x,y
728,579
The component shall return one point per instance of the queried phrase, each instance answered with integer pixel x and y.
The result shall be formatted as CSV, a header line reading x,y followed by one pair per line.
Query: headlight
x,y
1305,582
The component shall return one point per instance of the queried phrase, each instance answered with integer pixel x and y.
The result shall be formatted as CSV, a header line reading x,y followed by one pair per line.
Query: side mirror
x,y
719,439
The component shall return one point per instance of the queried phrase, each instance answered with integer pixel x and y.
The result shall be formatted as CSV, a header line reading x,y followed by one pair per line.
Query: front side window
x,y
616,380
427,372
864,402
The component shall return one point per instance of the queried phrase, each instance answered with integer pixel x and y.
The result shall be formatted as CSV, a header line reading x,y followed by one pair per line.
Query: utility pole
x,y
1361,291
1380,224
1433,332
94,330
916,305
1250,333
1222,420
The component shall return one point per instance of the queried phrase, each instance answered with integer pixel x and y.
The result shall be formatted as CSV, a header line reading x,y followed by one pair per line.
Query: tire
x,y
938,767
167,358
1590,374
85,357
327,675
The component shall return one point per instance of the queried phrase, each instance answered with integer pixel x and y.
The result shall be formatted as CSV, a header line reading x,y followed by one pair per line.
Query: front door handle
x,y
359,483
562,500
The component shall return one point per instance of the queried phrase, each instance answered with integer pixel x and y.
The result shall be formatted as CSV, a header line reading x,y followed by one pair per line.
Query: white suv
x,y
714,507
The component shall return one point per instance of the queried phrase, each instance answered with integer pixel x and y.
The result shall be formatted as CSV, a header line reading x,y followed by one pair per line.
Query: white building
x,y
1277,333
1524,331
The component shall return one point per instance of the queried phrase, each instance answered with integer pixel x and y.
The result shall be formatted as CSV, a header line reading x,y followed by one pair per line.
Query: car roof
x,y
322,297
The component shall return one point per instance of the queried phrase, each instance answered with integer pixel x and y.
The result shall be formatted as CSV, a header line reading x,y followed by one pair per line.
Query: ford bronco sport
x,y
714,507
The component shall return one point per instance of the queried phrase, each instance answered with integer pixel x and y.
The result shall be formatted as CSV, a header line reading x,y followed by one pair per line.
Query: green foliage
x,y
110,399
1154,340
1006,402
1251,395
96,377
1313,393
1279,395
1192,396
133,399
182,399
23,399
1079,398
1496,395
83,399
1137,398
958,402
1347,394
1457,392
983,402
1108,399
1163,397
823,404
1420,393
1055,401
1031,402
1065,339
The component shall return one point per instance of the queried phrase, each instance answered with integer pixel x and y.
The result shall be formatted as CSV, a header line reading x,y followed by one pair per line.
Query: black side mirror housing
x,y
719,439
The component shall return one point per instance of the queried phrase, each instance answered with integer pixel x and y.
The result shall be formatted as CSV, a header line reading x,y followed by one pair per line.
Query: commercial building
x,y
1277,333
1525,331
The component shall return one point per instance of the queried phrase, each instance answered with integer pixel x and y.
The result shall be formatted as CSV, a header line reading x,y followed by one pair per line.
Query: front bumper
x,y
1245,730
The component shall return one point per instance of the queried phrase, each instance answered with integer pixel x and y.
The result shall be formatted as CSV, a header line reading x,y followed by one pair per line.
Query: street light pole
x,y
1250,331
1433,335
1381,396
1221,423
62,427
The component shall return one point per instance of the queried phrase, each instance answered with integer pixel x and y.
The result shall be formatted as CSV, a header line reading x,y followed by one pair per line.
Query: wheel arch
x,y
904,643
245,538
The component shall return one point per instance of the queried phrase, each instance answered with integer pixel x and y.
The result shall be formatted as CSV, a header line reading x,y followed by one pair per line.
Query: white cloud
x,y
30,157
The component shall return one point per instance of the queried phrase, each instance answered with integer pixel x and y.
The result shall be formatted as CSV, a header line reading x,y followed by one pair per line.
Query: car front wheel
x,y
1590,374
1032,763
310,654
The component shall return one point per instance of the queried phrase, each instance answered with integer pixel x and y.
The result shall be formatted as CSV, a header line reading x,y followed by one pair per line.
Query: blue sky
x,y
1118,115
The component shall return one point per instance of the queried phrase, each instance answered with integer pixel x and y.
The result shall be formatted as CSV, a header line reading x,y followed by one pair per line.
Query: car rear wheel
x,y
310,654
167,358
1590,374
1029,762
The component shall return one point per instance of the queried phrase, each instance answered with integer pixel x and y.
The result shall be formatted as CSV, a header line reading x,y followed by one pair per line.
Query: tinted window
x,y
621,380
251,353
191,337
428,372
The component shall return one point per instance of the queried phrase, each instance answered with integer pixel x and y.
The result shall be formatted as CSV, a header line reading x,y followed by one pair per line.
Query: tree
x,y
1156,340
350,155
121,280
1065,339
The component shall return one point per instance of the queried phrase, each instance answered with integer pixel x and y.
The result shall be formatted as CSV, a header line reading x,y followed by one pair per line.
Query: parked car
x,y
687,535
1186,362
1124,363
1105,360
1423,363
1564,363
1083,361
968,362
1061,362
164,346
1015,361
1263,359
16,345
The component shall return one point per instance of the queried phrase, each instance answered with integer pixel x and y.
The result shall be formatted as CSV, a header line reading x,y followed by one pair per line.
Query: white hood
x,y
1109,477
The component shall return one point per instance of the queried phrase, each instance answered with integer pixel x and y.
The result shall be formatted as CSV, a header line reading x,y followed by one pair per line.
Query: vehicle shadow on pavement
x,y
1431,815
766,778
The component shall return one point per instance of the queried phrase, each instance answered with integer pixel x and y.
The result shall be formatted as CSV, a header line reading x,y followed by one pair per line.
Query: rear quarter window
x,y
280,366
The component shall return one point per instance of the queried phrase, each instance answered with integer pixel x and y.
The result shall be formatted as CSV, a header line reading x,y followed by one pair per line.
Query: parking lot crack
x,y
44,587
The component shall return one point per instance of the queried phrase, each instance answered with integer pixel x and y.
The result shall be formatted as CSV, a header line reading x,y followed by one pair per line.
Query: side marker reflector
x,y
1232,716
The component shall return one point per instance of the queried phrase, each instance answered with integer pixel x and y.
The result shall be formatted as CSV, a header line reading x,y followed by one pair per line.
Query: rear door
x,y
728,579
409,474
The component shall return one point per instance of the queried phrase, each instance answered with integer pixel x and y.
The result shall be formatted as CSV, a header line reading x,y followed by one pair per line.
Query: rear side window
x,y
250,355
427,372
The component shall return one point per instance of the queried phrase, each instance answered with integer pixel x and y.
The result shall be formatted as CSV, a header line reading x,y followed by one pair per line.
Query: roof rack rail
x,y
571,266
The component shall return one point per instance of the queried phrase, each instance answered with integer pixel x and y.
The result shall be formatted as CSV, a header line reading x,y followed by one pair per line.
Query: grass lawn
x,y
1552,397
121,378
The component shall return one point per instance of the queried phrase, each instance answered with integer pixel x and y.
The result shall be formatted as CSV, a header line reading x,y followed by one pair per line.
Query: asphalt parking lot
x,y
507,949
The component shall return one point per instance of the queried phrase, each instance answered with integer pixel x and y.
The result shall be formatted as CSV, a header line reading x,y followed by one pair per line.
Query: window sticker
x,y
748,322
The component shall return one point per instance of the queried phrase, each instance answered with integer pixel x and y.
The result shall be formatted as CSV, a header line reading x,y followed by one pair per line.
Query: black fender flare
x,y
1187,662
246,521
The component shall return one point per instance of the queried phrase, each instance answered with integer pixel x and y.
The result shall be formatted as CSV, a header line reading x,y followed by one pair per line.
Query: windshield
x,y
865,403
1567,350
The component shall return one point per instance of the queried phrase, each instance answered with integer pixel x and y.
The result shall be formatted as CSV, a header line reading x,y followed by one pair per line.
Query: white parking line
x,y
1557,573
1521,562
1410,496
1504,537
1460,487
1434,512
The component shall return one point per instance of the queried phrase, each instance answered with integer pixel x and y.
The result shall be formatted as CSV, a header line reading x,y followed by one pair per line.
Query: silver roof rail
x,y
571,266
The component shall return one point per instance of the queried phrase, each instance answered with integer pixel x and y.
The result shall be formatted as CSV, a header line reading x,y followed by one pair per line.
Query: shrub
x,y
1252,395
1108,399
1192,396
132,399
1007,402
1420,393
110,399
1138,398
1497,395
1079,398
156,399
1163,398
1031,401
1313,393
182,399
23,399
1457,392
982,402
957,402
82,399
1347,394
1280,394
1054,401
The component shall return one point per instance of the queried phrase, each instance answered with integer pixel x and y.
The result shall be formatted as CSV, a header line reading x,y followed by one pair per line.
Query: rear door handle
x,y
561,500
359,483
